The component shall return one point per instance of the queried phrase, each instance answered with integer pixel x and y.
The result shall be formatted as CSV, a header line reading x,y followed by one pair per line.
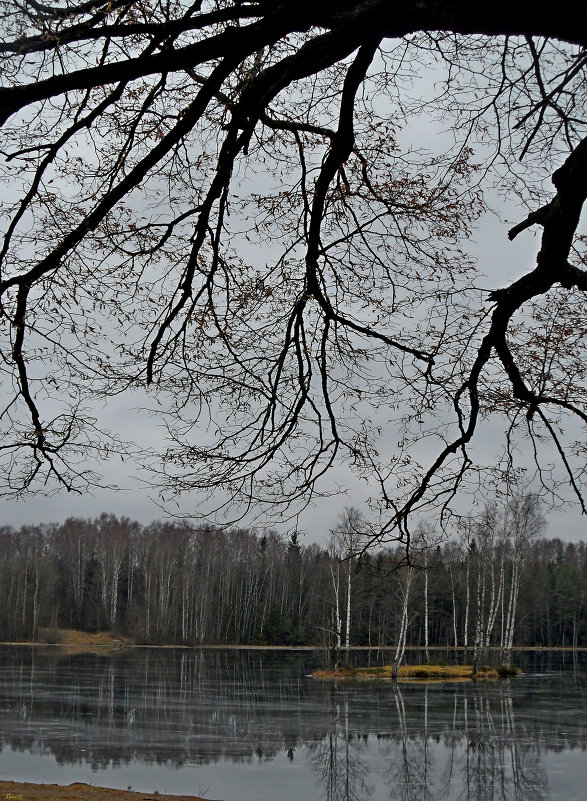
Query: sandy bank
x,y
23,791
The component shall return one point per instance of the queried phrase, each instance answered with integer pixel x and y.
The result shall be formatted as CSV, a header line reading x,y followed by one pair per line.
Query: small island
x,y
419,673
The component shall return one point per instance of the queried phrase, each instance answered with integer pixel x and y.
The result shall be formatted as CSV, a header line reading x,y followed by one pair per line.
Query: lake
x,y
251,725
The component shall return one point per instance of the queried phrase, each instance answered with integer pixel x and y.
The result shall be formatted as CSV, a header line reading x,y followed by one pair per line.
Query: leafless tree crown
x,y
224,202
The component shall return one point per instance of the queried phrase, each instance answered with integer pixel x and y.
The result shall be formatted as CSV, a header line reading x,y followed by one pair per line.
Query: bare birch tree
x,y
406,578
347,541
523,522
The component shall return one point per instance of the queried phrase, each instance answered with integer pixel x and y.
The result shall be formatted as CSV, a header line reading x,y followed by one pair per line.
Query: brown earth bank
x,y
23,791
74,641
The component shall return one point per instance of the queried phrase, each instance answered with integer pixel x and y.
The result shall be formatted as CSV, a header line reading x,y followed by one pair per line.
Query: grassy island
x,y
419,672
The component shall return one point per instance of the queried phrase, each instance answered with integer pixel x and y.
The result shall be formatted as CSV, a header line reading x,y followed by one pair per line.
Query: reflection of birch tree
x,y
451,740
182,706
337,759
410,774
496,765
528,778
486,756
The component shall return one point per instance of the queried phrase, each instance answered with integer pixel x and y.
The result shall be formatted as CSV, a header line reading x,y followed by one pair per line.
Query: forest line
x,y
499,584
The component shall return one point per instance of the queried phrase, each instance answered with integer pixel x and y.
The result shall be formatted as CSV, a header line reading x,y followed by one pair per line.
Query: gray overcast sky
x,y
496,256
499,260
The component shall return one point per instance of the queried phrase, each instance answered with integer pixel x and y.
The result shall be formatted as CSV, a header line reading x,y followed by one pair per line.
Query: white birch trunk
x,y
479,625
348,607
401,643
491,611
36,601
427,652
454,611
467,599
337,618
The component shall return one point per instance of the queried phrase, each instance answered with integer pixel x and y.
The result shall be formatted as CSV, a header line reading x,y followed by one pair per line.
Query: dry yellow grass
x,y
410,672
72,640
23,791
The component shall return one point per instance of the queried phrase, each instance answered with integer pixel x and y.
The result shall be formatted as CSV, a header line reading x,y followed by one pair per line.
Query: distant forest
x,y
172,582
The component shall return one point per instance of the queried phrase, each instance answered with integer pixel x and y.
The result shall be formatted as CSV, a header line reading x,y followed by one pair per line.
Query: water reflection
x,y
483,754
187,709
338,759
481,758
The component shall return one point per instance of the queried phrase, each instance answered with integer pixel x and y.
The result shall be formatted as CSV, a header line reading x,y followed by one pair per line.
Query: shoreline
x,y
73,640
229,647
27,791
435,648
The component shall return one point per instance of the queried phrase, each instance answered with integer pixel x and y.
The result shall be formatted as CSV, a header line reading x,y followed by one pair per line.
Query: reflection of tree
x,y
487,757
409,776
178,707
497,766
528,774
451,741
172,707
337,759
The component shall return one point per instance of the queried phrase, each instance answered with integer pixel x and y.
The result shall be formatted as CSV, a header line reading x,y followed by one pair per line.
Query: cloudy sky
x,y
496,256
500,260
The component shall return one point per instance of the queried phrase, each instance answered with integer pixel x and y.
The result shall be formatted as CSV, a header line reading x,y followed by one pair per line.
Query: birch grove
x,y
501,584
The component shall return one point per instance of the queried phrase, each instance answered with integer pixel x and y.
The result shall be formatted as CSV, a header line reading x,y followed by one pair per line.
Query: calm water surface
x,y
252,726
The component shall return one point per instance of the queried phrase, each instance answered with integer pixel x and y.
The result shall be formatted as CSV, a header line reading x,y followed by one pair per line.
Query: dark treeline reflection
x,y
180,707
